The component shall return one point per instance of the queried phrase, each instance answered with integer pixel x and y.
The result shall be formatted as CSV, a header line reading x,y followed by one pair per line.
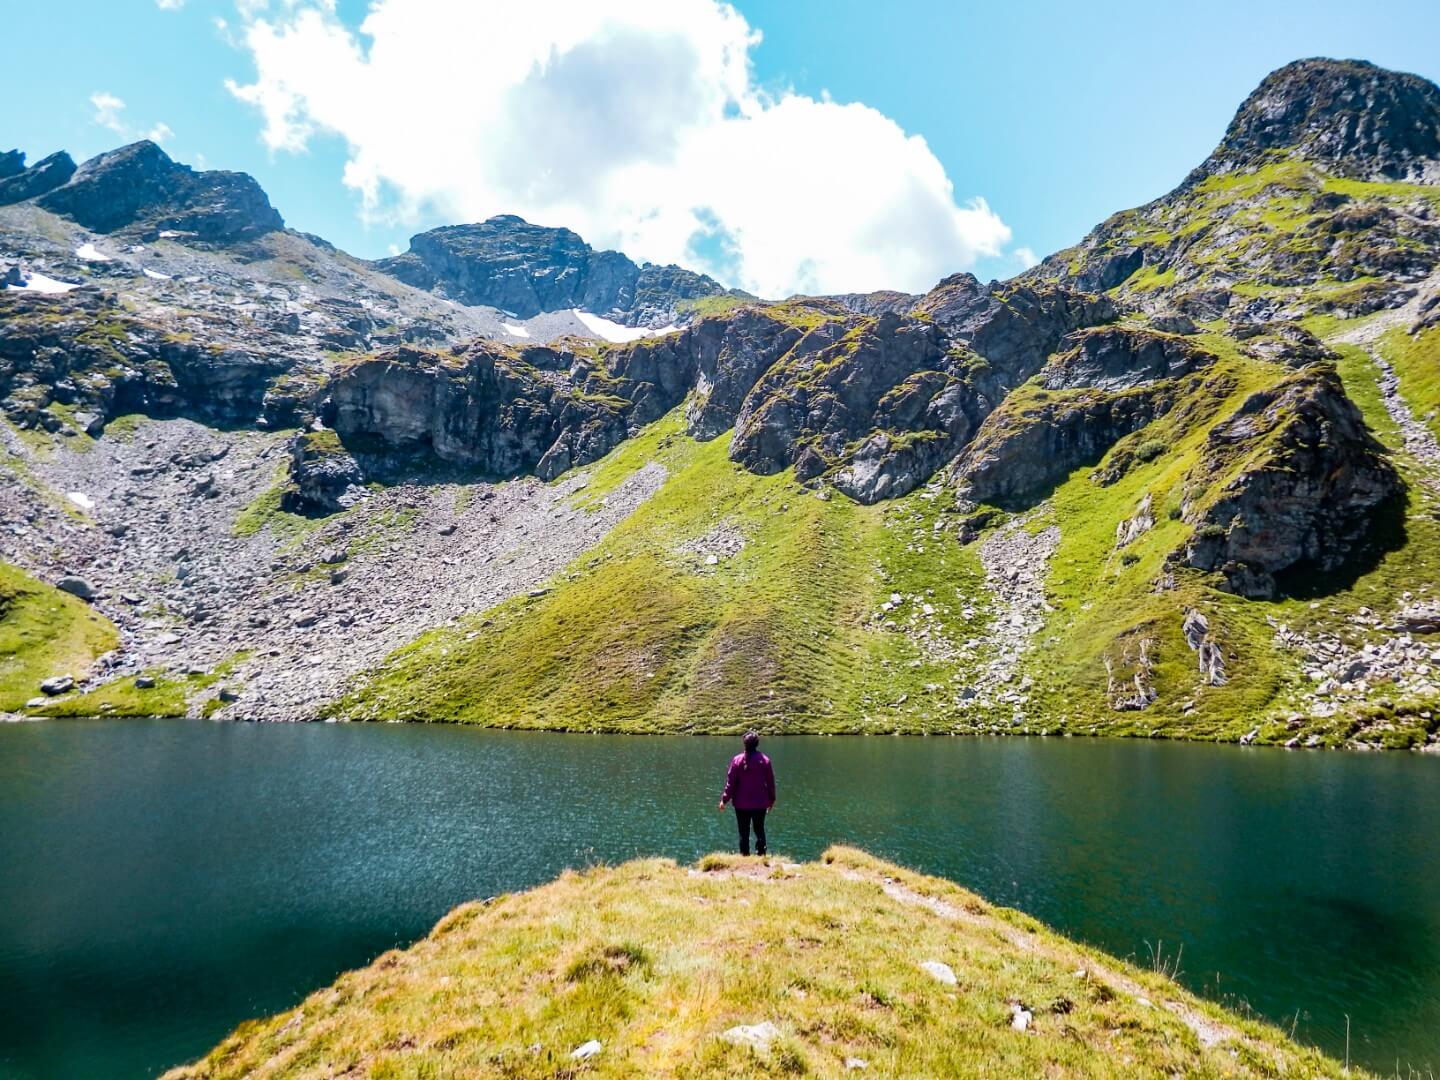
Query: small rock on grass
x,y
1020,1017
856,1063
943,972
586,1050
756,1036
144,682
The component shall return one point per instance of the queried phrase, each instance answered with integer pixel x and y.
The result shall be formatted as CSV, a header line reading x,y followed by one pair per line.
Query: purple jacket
x,y
750,788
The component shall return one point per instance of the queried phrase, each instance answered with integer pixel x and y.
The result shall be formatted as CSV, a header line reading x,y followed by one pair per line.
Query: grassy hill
x,y
659,964
43,633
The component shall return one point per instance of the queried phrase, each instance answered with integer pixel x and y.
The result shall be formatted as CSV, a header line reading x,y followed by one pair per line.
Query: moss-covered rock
x,y
1293,482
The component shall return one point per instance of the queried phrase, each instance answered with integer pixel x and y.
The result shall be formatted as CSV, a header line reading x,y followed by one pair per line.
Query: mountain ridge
x,y
506,262
1155,485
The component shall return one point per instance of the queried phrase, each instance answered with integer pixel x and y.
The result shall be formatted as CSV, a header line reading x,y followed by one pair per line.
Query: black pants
x,y
745,819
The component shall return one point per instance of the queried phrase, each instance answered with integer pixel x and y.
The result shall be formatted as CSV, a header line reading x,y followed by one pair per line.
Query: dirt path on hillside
x,y
1419,440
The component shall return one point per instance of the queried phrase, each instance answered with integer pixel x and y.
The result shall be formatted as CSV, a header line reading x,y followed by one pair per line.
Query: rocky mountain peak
x,y
525,269
139,186
18,183
1351,115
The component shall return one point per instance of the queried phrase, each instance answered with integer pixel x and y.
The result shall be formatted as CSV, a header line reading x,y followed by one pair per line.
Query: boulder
x,y
586,1050
76,586
757,1037
941,972
325,478
57,684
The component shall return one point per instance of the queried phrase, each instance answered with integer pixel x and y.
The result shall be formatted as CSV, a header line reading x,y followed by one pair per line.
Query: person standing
x,y
750,787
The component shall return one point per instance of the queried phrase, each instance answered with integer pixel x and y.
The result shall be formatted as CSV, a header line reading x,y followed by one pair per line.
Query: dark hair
x,y
752,743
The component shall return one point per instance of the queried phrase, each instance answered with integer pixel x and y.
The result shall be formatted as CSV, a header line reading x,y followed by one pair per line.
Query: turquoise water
x,y
162,881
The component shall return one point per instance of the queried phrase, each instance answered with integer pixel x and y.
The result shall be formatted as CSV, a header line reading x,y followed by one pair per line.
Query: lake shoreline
x,y
1429,748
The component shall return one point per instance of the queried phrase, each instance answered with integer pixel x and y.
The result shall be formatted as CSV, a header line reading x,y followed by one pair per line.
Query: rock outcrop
x,y
324,475
1023,450
482,408
1292,481
17,183
1120,358
84,353
874,404
1103,385
523,269
139,187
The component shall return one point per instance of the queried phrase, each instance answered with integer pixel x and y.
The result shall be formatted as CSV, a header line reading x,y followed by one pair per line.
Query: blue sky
x,y
1055,114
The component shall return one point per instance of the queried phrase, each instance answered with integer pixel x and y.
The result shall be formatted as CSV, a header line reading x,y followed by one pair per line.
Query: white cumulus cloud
x,y
639,124
108,108
169,5
1026,257
159,133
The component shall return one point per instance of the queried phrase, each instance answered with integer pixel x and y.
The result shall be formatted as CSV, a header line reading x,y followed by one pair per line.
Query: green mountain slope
x,y
1213,517
1177,480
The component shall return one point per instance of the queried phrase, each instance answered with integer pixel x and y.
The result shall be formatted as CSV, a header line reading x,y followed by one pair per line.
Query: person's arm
x,y
729,792
770,781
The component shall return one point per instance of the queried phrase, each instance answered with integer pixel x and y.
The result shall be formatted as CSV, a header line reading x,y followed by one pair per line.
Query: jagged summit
x,y
1351,115
507,263
138,186
17,183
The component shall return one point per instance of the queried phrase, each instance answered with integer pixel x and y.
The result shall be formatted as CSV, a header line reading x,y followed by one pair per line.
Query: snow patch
x,y
168,234
42,284
90,253
156,275
613,331
80,499
604,328
514,329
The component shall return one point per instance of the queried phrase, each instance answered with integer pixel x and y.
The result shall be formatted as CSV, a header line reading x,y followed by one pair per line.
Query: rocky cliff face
x,y
1302,484
1112,381
96,361
507,263
874,404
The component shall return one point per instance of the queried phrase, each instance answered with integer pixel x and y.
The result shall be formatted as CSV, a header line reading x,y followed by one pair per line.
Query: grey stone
x,y
76,586
58,684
